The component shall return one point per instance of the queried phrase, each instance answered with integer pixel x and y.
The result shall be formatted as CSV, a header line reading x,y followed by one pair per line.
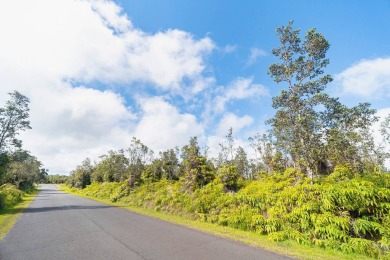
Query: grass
x,y
9,216
288,248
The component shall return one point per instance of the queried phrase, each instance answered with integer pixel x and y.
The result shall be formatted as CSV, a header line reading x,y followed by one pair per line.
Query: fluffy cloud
x,y
229,48
241,88
230,120
367,78
52,50
98,43
163,126
255,54
69,124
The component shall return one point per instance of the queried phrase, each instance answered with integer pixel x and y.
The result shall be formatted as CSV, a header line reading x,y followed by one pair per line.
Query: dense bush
x,y
56,179
9,195
341,211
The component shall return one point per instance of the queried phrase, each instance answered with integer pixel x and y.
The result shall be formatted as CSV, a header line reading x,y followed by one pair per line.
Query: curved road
x,y
58,225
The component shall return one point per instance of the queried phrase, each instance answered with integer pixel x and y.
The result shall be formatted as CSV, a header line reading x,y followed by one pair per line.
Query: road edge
x,y
11,216
287,248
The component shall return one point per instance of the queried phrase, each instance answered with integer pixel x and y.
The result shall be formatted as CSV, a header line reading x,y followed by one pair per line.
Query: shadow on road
x,y
68,207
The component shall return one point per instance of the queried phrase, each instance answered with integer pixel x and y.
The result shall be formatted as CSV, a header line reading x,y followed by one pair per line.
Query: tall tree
x,y
315,130
197,171
227,151
170,164
347,134
112,167
241,162
81,176
139,156
296,125
23,169
265,151
13,119
385,130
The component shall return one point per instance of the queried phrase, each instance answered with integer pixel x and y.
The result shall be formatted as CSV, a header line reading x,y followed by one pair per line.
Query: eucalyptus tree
x,y
227,151
13,119
112,167
241,162
314,129
23,169
348,135
139,156
268,158
385,129
81,176
197,172
296,124
170,164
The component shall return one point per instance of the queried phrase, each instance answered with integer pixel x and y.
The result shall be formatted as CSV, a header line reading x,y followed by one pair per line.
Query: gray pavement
x,y
58,225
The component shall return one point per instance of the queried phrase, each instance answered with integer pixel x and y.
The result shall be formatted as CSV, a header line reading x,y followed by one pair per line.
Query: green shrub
x,y
9,195
229,176
350,213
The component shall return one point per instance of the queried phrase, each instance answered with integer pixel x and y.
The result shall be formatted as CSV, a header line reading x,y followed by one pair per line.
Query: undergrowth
x,y
9,196
13,203
342,211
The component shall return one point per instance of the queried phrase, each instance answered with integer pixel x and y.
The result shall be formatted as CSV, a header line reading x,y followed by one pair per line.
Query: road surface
x,y
58,225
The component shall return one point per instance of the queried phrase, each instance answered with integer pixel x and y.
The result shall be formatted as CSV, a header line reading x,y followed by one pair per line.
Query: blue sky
x,y
356,30
100,72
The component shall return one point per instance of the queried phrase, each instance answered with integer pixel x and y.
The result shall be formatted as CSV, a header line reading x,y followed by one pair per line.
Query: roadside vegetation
x,y
55,179
318,178
338,212
19,170
14,203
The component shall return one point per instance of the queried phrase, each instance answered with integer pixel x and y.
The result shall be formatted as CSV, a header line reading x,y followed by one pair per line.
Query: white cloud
x,y
112,15
201,84
162,126
97,43
255,54
241,88
230,48
69,124
230,120
50,49
166,58
367,78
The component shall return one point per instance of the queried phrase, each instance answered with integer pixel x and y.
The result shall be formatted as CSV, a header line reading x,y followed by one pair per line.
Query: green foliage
x,y
22,170
229,176
341,173
197,170
81,177
107,190
316,131
17,166
13,119
343,211
385,129
9,195
57,179
112,167
335,196
139,156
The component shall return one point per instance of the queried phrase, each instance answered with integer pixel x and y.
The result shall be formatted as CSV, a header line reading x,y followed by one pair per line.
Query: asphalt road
x,y
58,225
